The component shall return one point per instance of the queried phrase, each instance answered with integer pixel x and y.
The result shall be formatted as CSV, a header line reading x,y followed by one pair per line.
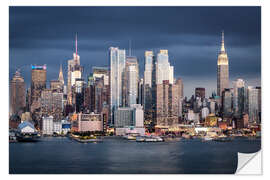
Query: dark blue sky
x,y
45,35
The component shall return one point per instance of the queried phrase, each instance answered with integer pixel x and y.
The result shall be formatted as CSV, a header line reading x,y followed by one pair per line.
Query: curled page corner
x,y
249,163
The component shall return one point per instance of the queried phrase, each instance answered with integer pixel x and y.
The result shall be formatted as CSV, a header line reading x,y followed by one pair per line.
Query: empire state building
x,y
222,69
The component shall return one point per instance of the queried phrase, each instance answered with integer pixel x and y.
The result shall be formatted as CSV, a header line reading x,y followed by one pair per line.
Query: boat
x,y
149,139
207,138
130,137
88,140
140,139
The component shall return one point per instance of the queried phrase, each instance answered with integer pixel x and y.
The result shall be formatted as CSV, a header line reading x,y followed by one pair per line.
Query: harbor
x,y
115,154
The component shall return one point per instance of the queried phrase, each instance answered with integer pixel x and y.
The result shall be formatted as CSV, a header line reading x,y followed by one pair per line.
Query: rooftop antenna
x,y
76,44
129,47
222,42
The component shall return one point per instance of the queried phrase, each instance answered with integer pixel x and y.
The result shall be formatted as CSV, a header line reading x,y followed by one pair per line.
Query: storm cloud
x,y
192,35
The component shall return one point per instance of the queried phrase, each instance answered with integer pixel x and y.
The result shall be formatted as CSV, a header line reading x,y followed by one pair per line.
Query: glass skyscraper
x,y
117,58
163,69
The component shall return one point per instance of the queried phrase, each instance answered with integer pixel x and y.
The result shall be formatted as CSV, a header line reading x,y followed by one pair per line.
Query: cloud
x,y
45,35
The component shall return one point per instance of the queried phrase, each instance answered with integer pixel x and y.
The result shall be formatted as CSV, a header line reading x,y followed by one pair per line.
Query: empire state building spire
x,y
222,69
222,43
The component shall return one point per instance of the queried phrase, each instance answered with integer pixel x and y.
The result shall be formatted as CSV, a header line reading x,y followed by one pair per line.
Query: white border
x,y
4,73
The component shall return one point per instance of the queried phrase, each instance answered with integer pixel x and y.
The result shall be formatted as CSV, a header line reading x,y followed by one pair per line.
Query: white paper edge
x,y
249,164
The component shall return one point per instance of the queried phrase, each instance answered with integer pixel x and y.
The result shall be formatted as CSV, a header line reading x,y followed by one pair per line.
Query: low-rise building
x,y
211,120
57,127
47,125
66,126
90,122
26,127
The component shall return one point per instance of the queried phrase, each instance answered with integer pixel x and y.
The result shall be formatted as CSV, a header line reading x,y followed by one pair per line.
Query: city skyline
x,y
192,47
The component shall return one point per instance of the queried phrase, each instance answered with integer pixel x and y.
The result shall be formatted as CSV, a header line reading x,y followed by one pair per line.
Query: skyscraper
x,y
148,68
130,81
227,97
200,92
99,72
253,103
237,85
74,72
117,66
167,104
179,82
147,86
17,93
222,69
164,71
38,83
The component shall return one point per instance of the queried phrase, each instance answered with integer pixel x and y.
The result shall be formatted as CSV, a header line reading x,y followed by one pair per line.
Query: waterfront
x,y
61,155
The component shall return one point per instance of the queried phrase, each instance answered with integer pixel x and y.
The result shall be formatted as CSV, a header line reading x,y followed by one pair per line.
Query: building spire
x,y
129,47
61,77
222,43
76,44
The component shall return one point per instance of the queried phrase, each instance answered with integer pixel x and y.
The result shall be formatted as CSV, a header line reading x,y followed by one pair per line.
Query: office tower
x,y
241,102
130,81
101,95
105,113
51,104
167,104
89,98
222,69
38,83
74,72
101,72
147,86
150,121
78,90
227,97
117,66
253,99
28,99
17,100
140,92
163,69
148,68
200,92
259,102
129,116
124,117
180,84
237,86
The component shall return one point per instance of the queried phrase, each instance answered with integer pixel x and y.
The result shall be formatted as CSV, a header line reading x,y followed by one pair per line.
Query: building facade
x,y
164,71
200,92
167,104
90,122
47,125
117,66
38,83
17,99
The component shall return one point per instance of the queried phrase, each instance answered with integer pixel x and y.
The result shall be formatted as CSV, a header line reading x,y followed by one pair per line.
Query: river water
x,y
61,155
